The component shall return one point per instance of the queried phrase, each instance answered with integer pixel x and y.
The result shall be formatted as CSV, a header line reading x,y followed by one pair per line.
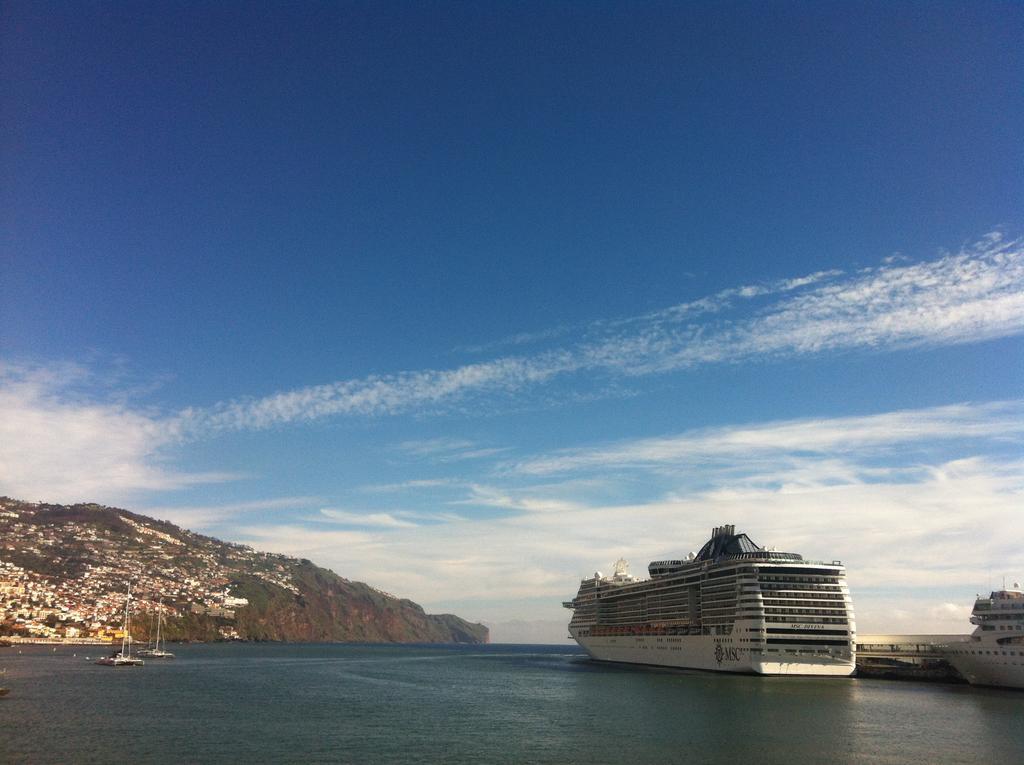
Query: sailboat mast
x,y
124,631
159,620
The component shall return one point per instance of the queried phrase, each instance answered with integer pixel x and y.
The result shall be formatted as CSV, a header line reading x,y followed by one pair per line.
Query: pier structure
x,y
906,657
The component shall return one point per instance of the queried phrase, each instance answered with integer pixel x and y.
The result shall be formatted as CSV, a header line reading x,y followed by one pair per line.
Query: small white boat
x,y
120,660
124,658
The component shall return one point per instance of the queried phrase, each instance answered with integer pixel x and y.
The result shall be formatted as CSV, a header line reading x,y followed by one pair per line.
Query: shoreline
x,y
13,641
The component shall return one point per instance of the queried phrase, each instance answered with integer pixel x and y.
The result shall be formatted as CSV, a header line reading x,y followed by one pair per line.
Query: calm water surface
x,y
233,703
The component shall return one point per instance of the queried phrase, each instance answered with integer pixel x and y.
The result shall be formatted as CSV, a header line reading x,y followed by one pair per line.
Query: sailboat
x,y
123,658
154,651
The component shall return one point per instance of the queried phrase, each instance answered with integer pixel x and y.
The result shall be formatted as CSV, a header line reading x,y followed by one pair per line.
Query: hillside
x,y
64,570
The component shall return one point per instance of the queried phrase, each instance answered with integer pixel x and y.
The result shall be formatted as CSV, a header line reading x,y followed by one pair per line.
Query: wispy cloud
x,y
206,516
432,446
449,449
975,294
716,303
489,496
384,520
303,541
720,302
831,436
373,395
416,484
523,338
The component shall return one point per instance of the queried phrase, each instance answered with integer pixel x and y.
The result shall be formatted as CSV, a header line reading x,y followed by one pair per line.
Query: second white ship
x,y
994,652
732,607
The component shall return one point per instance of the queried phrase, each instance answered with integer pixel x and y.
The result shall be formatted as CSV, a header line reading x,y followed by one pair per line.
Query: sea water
x,y
238,703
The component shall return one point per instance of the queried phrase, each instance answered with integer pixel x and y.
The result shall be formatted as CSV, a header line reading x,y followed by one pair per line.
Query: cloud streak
x,y
383,520
832,436
449,449
973,295
206,516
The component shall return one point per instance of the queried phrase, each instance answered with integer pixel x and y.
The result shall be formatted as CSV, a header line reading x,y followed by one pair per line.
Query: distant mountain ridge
x,y
64,570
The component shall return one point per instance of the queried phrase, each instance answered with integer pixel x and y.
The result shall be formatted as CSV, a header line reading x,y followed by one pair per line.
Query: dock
x,y
906,657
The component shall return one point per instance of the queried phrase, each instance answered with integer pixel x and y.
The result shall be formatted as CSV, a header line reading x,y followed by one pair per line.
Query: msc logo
x,y
726,654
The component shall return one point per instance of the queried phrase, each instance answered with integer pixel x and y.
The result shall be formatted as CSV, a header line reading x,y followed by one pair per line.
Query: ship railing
x,y
764,555
804,561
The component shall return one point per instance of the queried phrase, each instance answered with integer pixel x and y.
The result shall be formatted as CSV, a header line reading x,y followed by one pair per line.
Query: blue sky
x,y
468,300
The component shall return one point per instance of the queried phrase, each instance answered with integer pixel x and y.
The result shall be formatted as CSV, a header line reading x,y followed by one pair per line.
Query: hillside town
x,y
64,573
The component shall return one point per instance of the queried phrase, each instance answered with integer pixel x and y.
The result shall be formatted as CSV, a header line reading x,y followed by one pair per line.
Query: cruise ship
x,y
732,607
994,652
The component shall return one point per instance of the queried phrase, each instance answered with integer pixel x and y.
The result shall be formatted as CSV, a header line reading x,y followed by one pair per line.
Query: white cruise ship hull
x,y
708,653
995,670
